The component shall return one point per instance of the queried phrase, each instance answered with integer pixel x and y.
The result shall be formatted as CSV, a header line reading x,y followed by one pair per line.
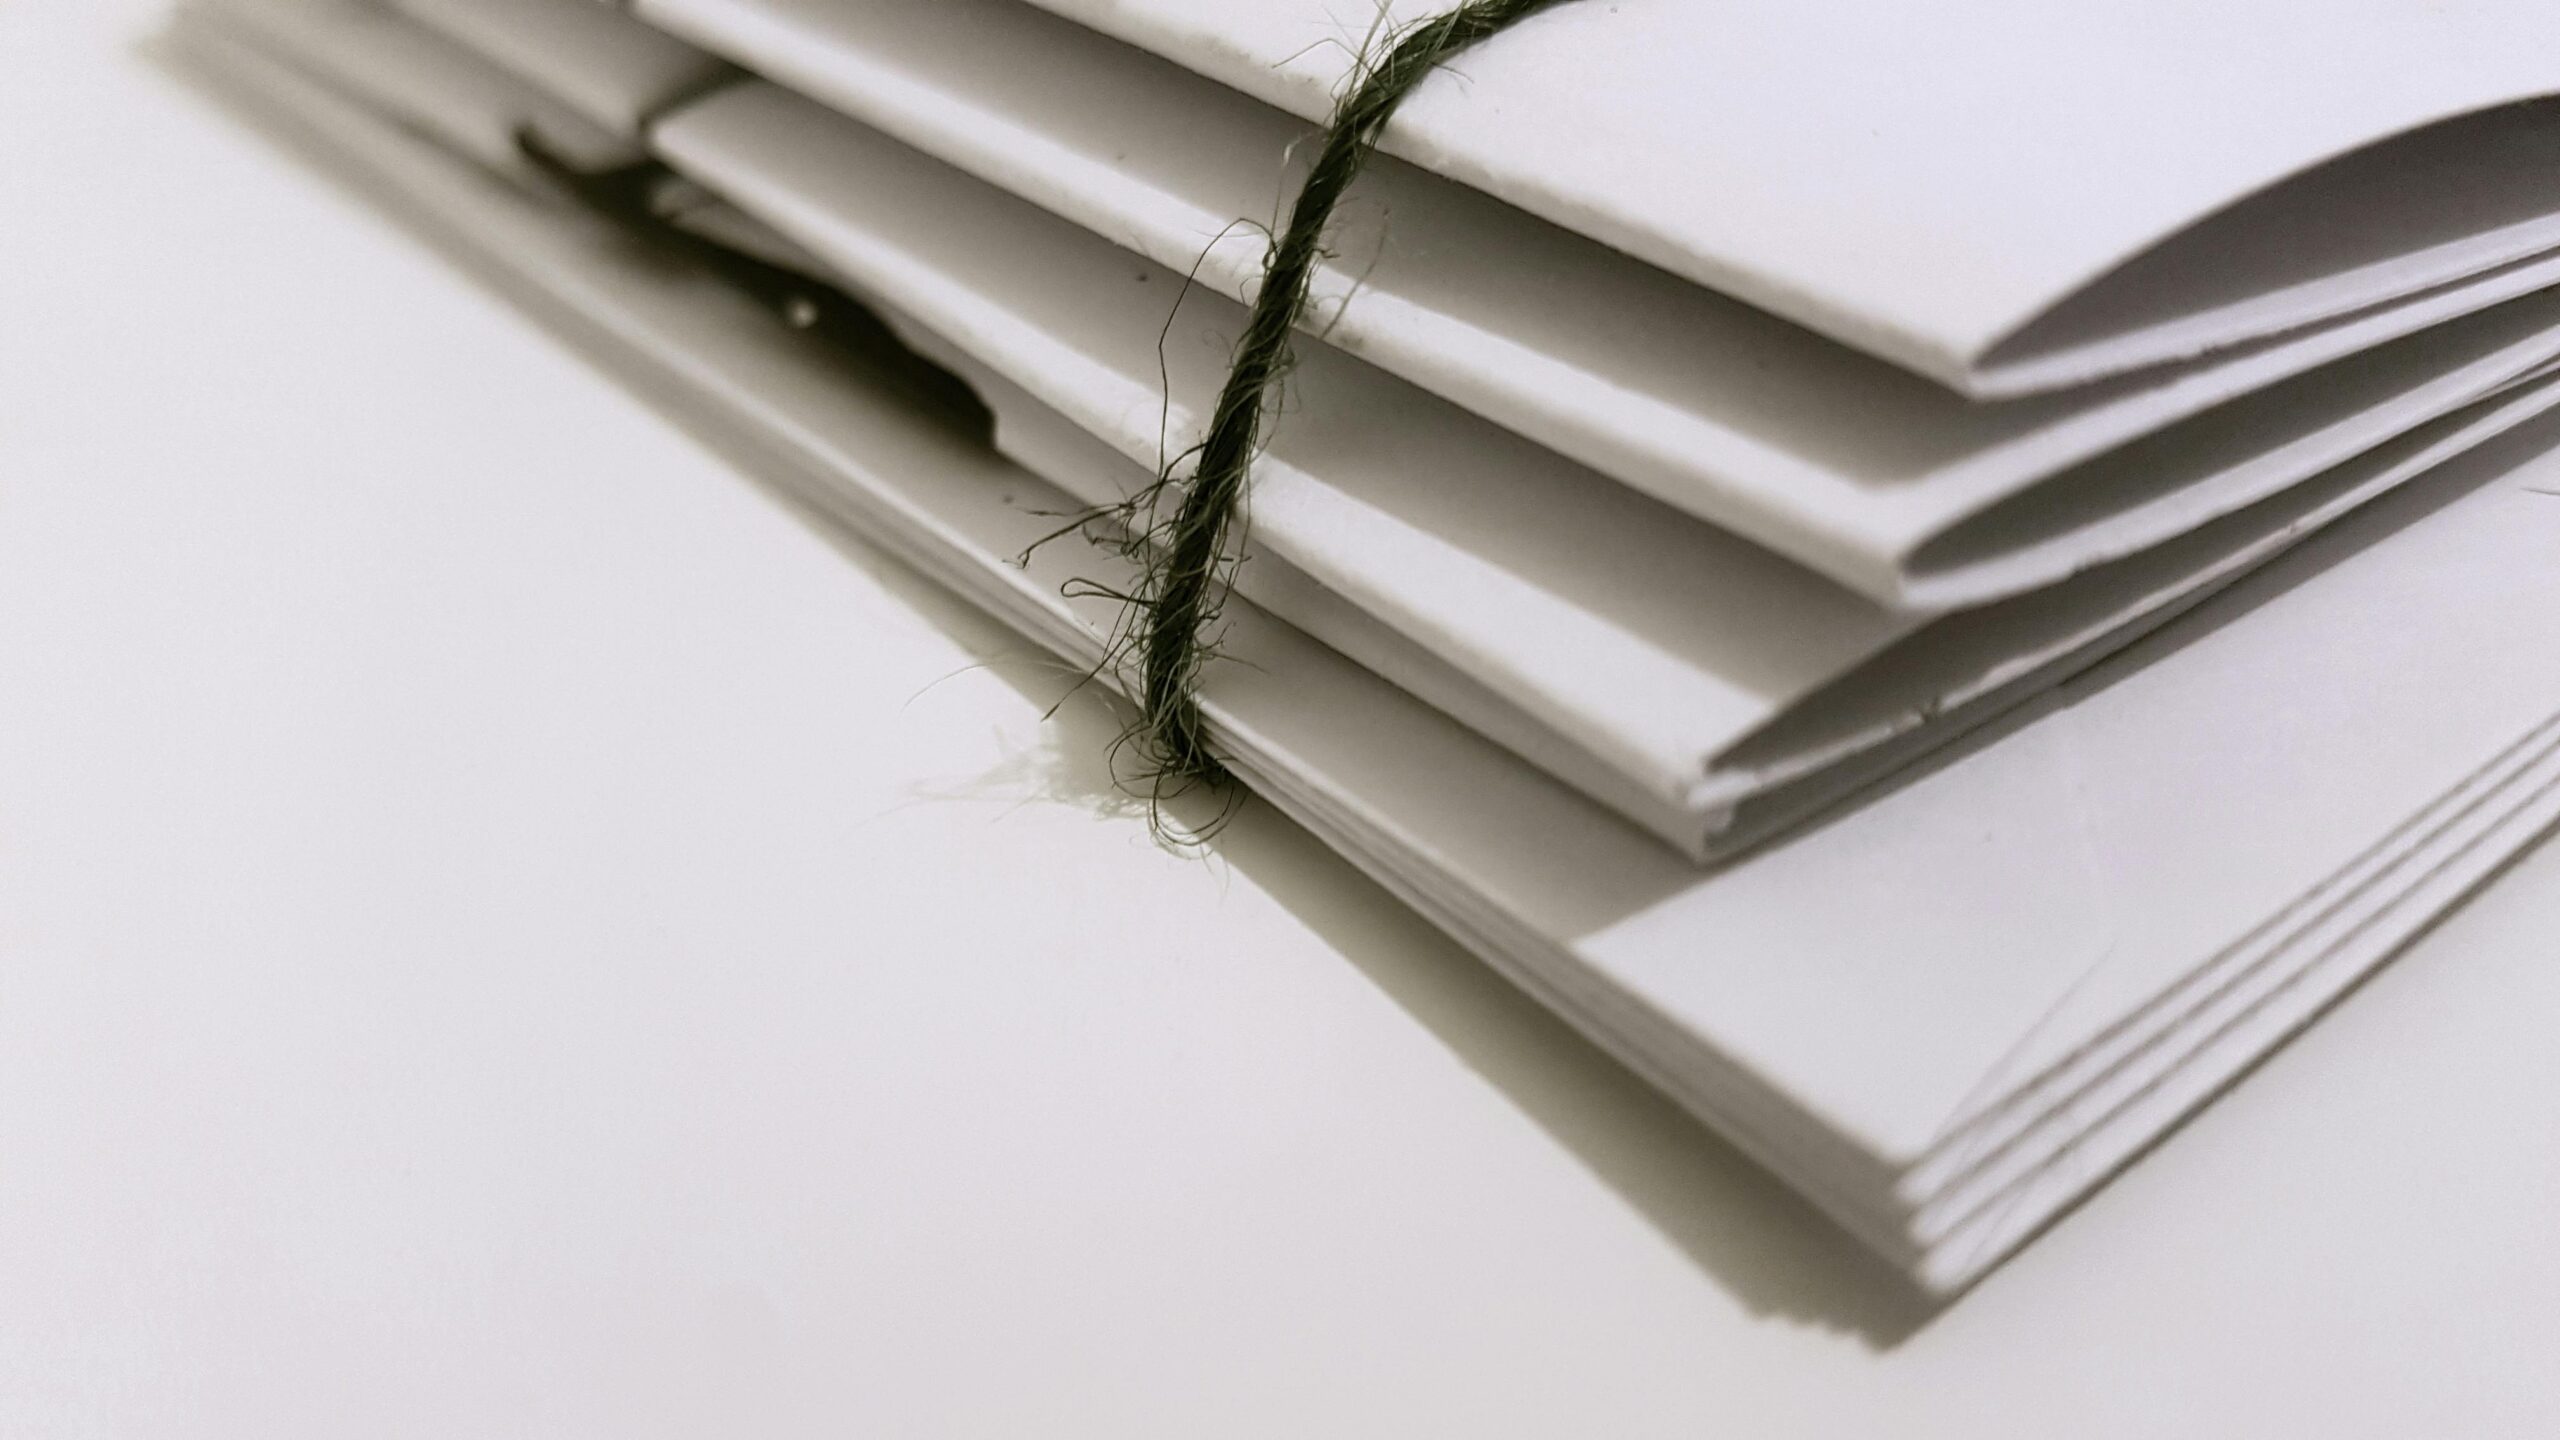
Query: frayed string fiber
x,y
1187,560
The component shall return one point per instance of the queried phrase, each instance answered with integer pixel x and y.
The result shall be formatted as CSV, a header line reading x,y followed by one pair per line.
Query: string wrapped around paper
x,y
1187,559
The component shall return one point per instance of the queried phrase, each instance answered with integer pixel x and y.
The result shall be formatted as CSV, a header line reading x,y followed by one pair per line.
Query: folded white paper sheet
x,y
1812,448
1655,646
1713,703
1913,696
1971,188
2330,761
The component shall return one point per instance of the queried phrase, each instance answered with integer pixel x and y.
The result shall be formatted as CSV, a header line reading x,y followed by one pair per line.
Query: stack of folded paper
x,y
1729,440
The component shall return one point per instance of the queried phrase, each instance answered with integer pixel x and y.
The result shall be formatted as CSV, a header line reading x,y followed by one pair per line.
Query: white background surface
x,y
506,930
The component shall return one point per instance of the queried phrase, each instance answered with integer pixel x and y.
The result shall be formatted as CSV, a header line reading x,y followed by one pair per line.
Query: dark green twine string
x,y
1188,558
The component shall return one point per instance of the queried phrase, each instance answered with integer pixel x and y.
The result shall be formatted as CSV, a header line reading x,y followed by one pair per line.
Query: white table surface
x,y
505,929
